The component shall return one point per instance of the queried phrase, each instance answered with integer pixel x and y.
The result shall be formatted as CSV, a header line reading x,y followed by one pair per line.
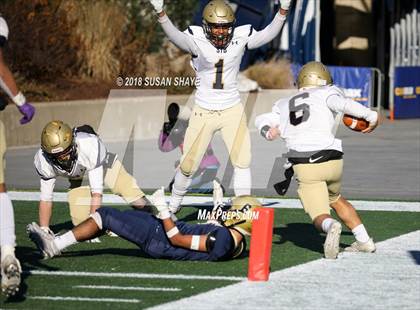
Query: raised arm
x,y
180,39
8,83
260,38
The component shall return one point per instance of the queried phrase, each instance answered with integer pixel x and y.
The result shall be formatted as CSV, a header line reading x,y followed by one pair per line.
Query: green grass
x,y
295,241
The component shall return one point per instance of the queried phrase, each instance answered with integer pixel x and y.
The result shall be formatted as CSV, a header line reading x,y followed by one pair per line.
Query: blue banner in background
x,y
407,92
356,82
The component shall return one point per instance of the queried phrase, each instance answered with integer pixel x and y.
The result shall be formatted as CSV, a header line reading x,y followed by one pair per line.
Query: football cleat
x,y
10,275
332,241
217,194
365,247
43,241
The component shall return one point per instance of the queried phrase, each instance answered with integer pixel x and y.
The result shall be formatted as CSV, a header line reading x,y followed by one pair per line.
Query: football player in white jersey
x,y
306,122
10,267
72,153
217,49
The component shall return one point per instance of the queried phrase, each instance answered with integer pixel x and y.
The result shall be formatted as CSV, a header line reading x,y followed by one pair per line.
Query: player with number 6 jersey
x,y
217,49
306,121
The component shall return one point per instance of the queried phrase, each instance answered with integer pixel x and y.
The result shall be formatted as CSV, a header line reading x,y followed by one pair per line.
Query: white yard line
x,y
62,298
270,202
387,279
131,275
129,288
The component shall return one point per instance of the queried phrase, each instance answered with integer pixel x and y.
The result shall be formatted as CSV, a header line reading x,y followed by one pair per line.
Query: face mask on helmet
x,y
218,23
219,35
66,159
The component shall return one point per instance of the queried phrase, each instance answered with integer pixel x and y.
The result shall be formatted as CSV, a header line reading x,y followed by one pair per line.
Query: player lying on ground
x,y
10,267
172,136
306,122
161,236
217,49
72,153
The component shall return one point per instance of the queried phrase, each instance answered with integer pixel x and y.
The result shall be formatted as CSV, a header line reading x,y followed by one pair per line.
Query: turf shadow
x,y
303,235
62,226
108,251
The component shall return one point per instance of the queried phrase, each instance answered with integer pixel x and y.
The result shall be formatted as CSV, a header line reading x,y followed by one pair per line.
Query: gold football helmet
x,y
312,74
218,23
58,144
241,213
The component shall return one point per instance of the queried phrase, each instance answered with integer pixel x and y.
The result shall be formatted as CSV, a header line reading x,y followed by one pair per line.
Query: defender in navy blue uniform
x,y
160,236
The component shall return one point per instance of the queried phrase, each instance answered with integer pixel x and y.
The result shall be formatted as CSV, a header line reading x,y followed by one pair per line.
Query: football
x,y
354,123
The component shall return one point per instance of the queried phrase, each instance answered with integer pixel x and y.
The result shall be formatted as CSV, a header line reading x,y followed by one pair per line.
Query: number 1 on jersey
x,y
219,75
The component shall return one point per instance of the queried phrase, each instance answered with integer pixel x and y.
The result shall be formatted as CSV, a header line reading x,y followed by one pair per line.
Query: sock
x,y
7,250
360,233
7,222
65,240
326,224
179,189
242,181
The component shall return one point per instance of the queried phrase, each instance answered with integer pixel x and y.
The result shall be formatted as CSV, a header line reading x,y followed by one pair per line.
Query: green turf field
x,y
295,241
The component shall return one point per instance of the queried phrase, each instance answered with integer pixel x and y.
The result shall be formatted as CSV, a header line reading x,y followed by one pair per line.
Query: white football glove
x,y
285,4
158,200
158,5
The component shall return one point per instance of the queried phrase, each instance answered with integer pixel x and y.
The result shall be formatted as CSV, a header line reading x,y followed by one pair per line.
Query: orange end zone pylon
x,y
260,248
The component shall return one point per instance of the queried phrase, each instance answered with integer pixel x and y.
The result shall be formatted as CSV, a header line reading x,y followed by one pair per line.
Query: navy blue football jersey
x,y
148,233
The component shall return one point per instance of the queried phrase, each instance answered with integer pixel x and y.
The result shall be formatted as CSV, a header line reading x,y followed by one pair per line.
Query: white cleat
x,y
332,241
217,194
365,247
43,241
10,275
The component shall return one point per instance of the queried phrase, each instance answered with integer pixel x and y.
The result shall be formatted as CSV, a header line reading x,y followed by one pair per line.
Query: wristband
x,y
264,131
172,232
19,99
195,242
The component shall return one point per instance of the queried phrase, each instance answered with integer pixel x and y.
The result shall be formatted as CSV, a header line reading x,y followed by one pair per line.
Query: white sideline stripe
x,y
387,279
62,298
129,288
271,202
131,275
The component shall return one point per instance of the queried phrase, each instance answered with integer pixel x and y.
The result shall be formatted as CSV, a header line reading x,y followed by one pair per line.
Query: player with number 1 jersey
x,y
217,49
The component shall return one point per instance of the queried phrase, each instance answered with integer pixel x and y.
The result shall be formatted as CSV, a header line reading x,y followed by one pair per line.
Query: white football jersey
x,y
91,154
217,70
307,120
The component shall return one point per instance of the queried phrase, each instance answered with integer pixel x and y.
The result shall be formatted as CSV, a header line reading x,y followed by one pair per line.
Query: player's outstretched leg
x,y
10,266
351,219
